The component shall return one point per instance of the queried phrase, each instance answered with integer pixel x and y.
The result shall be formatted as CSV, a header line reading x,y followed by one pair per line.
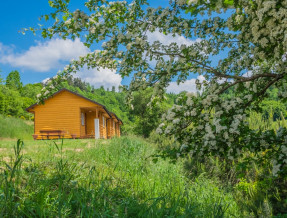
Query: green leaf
x,y
51,3
65,17
228,2
8,166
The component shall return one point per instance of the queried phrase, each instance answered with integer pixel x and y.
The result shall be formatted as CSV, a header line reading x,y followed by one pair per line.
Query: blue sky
x,y
15,15
37,59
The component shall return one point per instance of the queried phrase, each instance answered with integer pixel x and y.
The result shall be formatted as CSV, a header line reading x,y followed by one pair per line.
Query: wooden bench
x,y
49,133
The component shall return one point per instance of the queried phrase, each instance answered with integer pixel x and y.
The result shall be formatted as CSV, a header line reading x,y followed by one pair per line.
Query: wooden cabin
x,y
66,114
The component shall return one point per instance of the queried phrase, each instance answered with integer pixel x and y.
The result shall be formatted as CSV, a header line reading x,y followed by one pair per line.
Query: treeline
x,y
15,97
271,106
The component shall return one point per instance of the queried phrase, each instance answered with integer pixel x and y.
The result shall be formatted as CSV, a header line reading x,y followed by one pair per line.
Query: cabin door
x,y
97,128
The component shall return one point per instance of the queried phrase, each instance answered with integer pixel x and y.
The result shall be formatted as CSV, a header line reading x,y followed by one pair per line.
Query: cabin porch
x,y
94,122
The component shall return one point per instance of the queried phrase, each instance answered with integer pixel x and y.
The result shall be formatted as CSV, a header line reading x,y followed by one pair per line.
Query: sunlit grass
x,y
103,178
257,121
11,127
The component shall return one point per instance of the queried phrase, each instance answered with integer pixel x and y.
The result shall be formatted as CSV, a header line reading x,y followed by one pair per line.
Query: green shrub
x,y
11,127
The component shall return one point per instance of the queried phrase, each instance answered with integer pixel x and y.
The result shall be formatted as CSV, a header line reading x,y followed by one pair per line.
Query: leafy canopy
x,y
251,33
13,80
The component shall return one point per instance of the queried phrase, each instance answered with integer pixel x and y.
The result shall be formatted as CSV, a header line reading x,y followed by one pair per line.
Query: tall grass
x,y
255,190
87,178
107,178
257,121
11,127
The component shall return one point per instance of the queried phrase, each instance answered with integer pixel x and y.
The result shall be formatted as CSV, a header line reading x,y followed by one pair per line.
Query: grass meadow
x,y
102,178
11,127
118,178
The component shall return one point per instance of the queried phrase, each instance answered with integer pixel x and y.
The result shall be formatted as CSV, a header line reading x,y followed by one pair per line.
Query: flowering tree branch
x,y
252,35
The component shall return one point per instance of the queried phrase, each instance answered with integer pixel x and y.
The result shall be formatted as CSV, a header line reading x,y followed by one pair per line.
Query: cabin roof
x,y
64,89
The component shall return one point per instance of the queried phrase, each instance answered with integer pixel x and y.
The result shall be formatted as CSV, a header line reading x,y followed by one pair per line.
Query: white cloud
x,y
188,85
167,39
54,55
45,56
101,77
4,49
248,73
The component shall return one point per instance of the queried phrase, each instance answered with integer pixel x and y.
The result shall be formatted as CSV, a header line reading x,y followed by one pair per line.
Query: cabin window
x,y
103,121
83,119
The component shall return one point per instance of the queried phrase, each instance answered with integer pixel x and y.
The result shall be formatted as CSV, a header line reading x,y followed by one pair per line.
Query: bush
x,y
11,127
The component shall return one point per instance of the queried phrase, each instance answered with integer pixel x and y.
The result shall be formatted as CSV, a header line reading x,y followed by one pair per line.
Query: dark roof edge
x,y
117,117
64,89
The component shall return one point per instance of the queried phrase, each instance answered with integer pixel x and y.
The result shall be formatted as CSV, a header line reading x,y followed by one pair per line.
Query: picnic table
x,y
49,133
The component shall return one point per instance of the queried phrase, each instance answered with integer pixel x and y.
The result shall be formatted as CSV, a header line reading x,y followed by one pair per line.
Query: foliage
x,y
257,192
266,122
11,127
12,103
31,90
147,115
255,189
102,178
15,98
276,109
1,80
13,80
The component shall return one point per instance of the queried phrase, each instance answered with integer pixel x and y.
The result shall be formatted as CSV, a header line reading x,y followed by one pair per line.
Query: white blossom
x,y
214,119
276,168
